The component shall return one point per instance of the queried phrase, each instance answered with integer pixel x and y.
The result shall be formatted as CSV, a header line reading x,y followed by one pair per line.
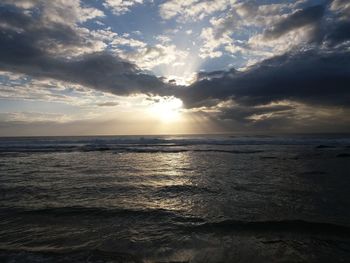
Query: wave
x,y
229,151
148,150
138,150
117,150
163,143
196,224
290,226
185,189
99,212
91,255
80,210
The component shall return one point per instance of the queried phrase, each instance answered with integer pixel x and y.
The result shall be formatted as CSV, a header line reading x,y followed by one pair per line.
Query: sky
x,y
114,67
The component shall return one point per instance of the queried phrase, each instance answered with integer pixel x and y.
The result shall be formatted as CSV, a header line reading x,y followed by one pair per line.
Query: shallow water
x,y
175,199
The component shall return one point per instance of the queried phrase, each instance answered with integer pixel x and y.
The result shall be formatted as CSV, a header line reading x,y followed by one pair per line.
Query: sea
x,y
195,198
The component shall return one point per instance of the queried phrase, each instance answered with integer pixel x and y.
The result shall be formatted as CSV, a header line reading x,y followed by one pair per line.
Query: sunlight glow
x,y
183,72
167,109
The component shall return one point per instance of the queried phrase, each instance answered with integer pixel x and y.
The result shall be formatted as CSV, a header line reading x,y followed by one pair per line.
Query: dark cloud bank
x,y
316,74
27,45
307,76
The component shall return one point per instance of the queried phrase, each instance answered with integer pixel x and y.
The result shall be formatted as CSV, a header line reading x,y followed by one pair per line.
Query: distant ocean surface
x,y
175,199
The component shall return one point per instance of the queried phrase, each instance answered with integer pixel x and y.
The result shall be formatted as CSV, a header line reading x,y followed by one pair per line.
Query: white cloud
x,y
251,19
115,40
151,56
67,11
192,9
121,6
123,41
212,44
145,56
163,39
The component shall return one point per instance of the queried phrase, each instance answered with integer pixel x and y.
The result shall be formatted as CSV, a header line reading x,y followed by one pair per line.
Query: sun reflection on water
x,y
172,174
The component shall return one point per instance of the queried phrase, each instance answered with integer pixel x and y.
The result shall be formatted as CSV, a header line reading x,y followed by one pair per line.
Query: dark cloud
x,y
27,45
31,32
202,75
308,16
338,33
242,113
308,76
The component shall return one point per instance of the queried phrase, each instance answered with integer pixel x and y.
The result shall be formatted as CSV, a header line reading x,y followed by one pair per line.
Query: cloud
x,y
256,31
58,11
35,32
287,117
28,45
247,114
249,14
195,10
120,7
311,76
338,33
341,7
17,87
108,104
302,82
223,36
211,44
308,16
33,117
279,28
147,57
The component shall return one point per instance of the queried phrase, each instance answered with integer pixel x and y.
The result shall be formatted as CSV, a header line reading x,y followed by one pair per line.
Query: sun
x,y
167,109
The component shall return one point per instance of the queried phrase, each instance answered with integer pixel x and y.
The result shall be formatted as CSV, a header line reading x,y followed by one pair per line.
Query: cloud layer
x,y
32,46
299,55
311,76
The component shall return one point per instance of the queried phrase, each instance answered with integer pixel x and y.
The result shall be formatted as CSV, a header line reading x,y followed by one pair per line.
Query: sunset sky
x,y
70,67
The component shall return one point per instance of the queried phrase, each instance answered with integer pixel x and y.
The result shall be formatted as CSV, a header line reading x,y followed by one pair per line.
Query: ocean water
x,y
175,199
